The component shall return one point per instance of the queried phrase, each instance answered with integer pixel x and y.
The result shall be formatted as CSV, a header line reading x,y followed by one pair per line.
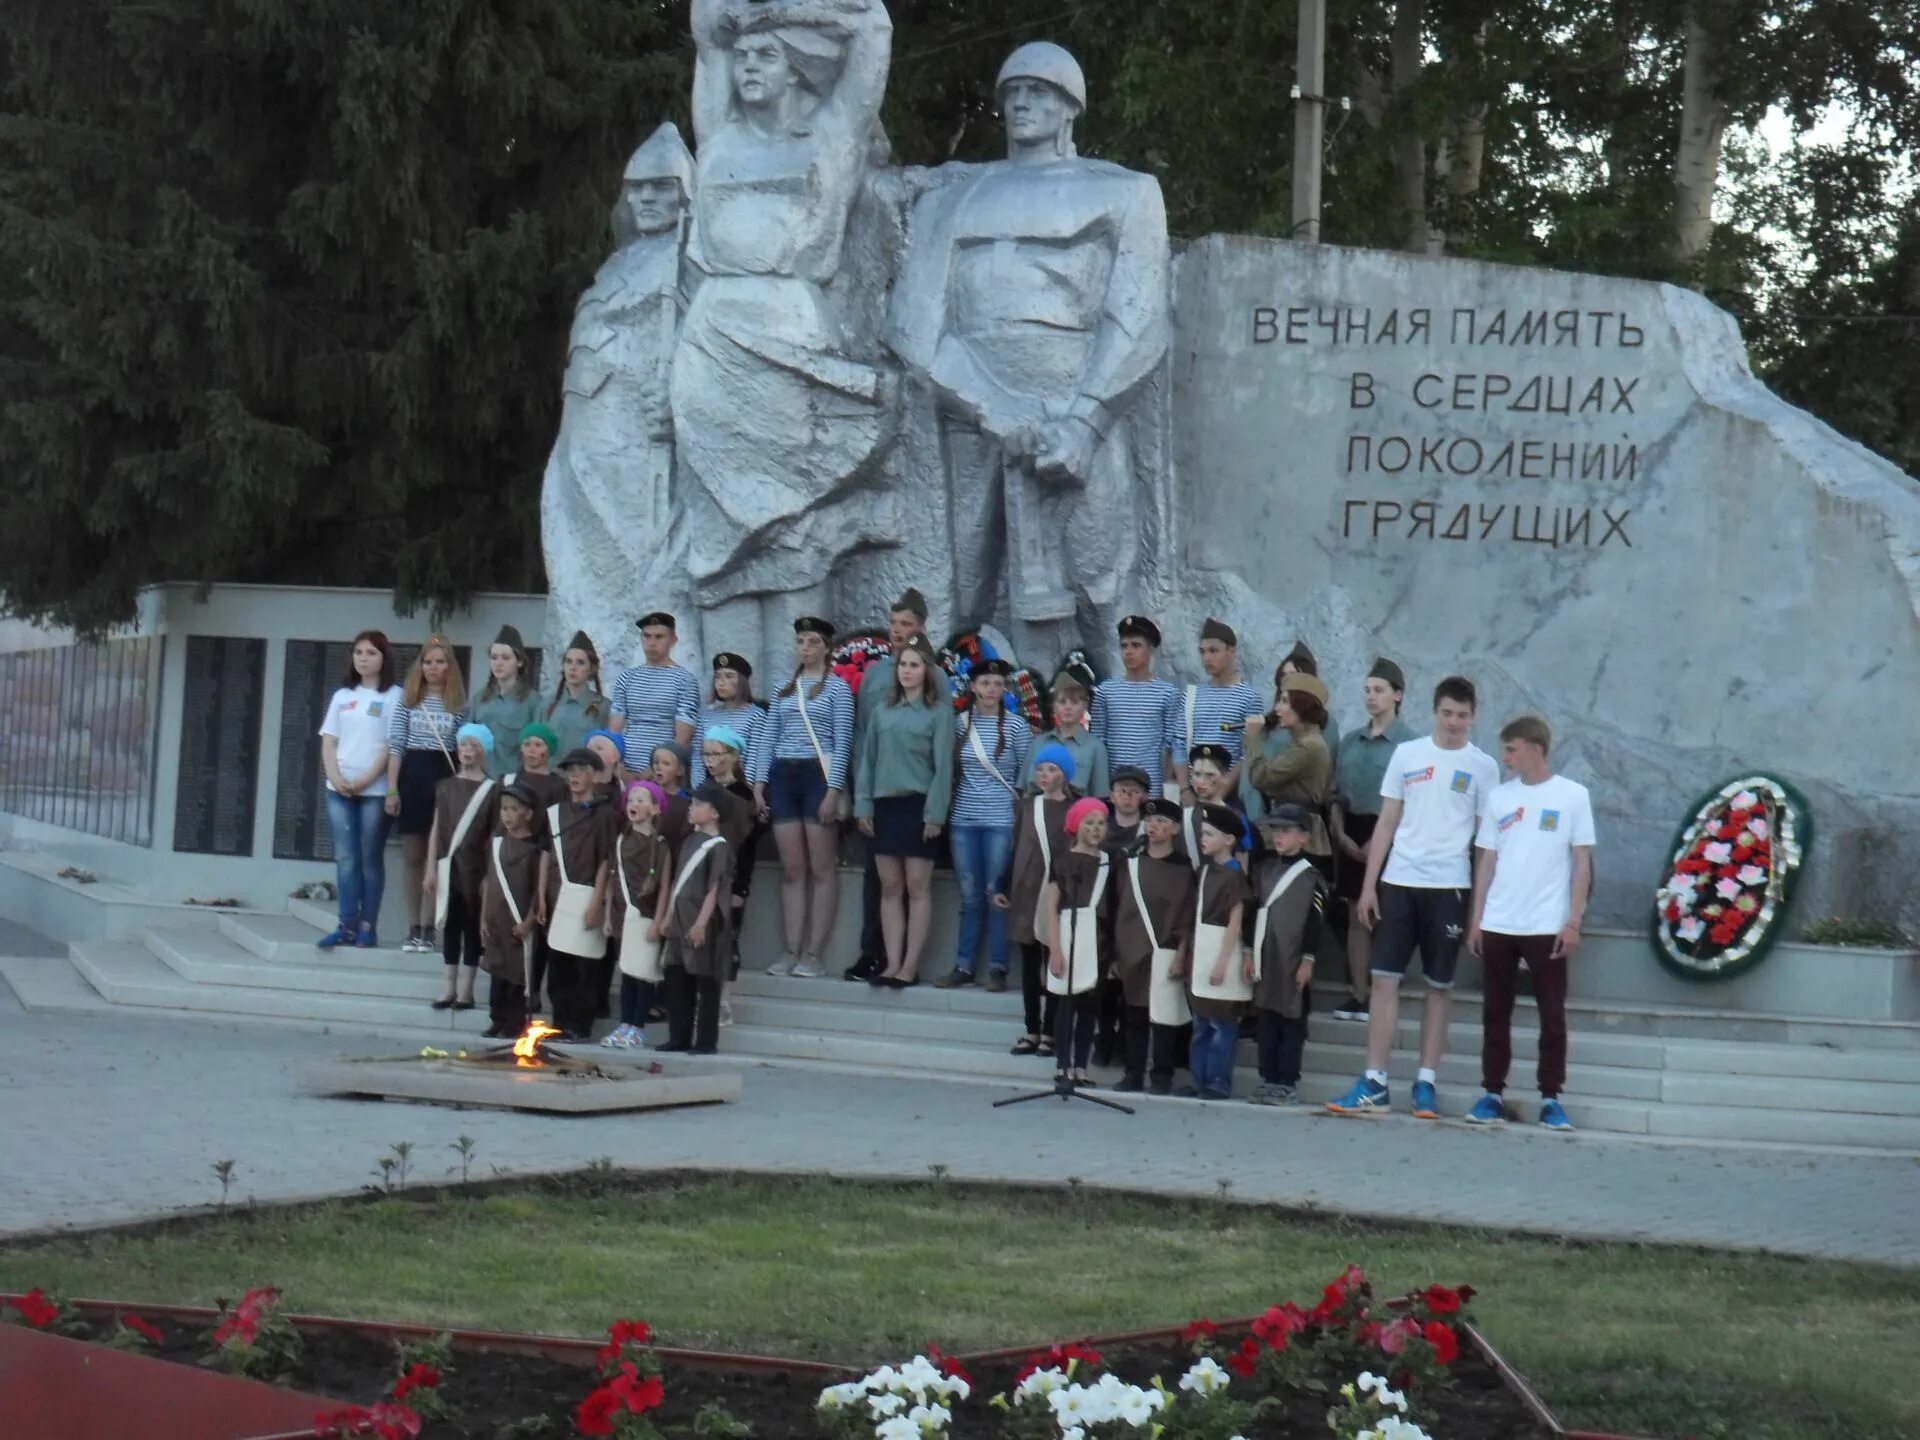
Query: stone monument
x,y
1034,304
609,490
1570,488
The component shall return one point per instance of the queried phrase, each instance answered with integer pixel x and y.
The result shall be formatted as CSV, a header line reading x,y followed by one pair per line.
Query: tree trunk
x,y
1703,128
1409,149
1463,158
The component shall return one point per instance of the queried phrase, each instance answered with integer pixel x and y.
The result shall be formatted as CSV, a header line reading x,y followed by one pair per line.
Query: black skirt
x,y
899,827
420,772
1349,874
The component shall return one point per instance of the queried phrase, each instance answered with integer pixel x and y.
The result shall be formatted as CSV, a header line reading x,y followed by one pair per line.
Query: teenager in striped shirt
x,y
656,702
1133,713
799,771
1215,712
420,747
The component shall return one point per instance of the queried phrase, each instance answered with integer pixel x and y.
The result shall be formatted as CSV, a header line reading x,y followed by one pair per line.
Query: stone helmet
x,y
1043,60
664,156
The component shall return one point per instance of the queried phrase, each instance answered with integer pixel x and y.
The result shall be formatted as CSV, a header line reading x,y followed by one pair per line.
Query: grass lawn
x,y
1636,1339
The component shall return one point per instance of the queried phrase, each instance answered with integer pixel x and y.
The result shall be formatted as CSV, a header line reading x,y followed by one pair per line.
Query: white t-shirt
x,y
1443,796
358,720
1533,829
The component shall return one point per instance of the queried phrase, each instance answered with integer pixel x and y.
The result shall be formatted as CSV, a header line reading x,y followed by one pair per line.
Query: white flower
x,y
1757,827
1751,875
834,1396
1745,800
1137,1407
1682,885
1205,1377
1718,853
886,1404
1073,1432
935,1416
1040,1382
1728,889
898,1428
1692,928
1392,1427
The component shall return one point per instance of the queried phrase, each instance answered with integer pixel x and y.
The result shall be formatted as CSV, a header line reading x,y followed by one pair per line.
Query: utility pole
x,y
1309,119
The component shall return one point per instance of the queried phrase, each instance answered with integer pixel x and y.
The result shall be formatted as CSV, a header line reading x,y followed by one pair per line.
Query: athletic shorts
x,y
1432,922
795,789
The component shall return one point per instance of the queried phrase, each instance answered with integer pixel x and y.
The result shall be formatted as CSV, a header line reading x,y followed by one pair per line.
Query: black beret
x,y
1140,627
1207,750
727,660
813,625
657,617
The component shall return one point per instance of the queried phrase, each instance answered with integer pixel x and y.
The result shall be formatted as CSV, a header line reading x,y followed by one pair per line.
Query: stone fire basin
x,y
570,1088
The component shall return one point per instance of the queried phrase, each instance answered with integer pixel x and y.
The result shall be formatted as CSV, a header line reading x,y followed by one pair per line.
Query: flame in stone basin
x,y
527,1051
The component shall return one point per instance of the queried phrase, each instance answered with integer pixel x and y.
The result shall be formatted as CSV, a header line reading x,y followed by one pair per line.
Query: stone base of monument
x,y
560,1085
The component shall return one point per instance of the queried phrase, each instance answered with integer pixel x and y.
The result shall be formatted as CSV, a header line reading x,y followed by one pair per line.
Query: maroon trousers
x,y
1500,960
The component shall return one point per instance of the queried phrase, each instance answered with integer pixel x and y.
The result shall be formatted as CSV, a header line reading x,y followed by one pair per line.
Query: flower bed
x,y
1349,1366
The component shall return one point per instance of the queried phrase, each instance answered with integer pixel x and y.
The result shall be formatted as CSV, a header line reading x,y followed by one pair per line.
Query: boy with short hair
x,y
1129,793
699,945
1220,972
1289,896
1435,793
510,907
1153,891
1070,693
1531,880
583,827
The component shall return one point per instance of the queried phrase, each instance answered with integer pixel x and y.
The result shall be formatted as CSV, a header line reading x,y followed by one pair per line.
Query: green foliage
x,y
286,287
1868,934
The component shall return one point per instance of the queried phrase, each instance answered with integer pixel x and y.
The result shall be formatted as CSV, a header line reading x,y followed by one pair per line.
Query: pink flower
x,y
1751,875
1727,889
1718,853
1758,826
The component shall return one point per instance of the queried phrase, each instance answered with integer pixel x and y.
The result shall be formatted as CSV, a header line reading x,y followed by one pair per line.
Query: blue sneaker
x,y
340,936
366,939
1367,1097
1489,1109
1426,1105
1553,1117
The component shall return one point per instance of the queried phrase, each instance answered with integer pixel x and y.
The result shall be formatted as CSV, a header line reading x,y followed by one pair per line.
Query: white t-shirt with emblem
x,y
1533,829
1443,796
358,720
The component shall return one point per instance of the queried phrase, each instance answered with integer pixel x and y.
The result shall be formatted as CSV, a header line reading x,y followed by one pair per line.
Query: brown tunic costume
x,y
714,873
501,954
1074,877
673,822
547,787
1167,887
1220,890
450,800
646,861
1031,863
585,842
1123,839
1292,930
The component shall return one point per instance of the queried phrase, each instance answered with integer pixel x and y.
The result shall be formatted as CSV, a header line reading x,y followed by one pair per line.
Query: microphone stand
x,y
1063,1086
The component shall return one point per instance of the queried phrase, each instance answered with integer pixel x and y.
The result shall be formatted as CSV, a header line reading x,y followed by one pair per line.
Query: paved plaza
x,y
111,1118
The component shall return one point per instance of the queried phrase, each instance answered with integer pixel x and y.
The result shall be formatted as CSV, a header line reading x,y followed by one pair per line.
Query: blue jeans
x,y
981,854
359,824
1210,1057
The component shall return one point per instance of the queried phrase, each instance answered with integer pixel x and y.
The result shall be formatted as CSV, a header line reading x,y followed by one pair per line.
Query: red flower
x,y
36,1309
392,1421
236,1327
1440,1300
1243,1361
1278,1323
256,1302
1057,1357
597,1412
419,1376
349,1420
1394,1337
621,1334
636,1394
150,1333
946,1364
1199,1330
1440,1335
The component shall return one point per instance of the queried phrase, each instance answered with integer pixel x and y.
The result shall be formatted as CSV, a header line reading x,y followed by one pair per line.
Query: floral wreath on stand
x,y
1730,879
850,658
1026,692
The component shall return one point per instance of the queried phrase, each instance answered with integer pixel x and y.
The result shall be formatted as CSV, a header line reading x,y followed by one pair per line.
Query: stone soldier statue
x,y
778,418
606,500
1035,304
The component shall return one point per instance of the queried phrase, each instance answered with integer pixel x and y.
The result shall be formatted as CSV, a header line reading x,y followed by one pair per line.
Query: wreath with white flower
x,y
1730,878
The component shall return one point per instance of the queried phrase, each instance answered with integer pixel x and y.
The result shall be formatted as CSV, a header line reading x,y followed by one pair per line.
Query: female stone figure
x,y
605,504
775,416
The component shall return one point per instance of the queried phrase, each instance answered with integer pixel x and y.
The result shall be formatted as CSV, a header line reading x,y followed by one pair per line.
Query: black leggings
x,y
460,941
1033,986
1084,1009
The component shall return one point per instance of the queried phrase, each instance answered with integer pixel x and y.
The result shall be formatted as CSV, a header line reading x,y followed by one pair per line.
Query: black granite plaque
x,y
219,745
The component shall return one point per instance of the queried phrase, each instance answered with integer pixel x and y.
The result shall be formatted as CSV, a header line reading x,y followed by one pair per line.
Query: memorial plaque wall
x,y
219,745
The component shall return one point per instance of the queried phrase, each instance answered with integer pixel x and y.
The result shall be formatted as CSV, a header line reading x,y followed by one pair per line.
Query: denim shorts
x,y
795,789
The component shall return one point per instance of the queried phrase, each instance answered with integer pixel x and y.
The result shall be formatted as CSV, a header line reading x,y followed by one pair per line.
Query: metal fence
x,y
78,733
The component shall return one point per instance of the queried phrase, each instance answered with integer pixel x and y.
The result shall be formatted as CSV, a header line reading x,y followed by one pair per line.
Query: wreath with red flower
x,y
1026,691
1730,878
854,653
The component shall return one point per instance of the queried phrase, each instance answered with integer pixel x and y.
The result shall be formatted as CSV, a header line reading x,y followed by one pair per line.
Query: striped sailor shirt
x,y
978,798
651,700
746,721
426,726
1214,707
784,735
1134,720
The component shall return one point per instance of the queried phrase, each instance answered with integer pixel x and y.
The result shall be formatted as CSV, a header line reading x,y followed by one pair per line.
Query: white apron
x,y
1166,992
1207,940
1046,867
1080,933
567,928
639,956
443,867
1280,887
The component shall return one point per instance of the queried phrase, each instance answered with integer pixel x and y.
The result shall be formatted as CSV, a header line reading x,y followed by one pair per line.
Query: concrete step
x,y
208,957
128,974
